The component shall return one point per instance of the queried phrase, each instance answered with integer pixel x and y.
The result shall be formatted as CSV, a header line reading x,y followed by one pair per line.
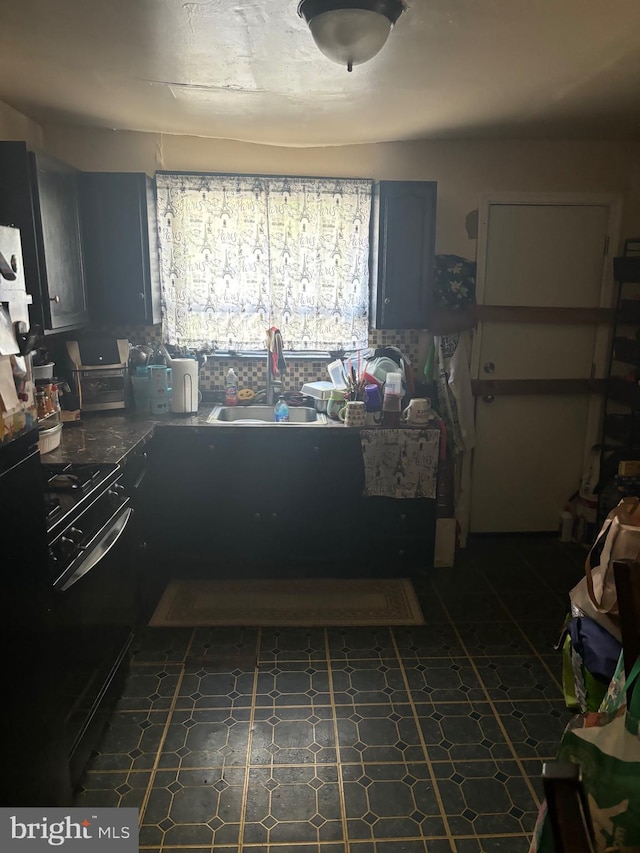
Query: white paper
x,y
7,385
8,341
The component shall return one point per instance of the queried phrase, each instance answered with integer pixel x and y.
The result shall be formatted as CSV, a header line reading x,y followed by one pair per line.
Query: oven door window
x,y
104,386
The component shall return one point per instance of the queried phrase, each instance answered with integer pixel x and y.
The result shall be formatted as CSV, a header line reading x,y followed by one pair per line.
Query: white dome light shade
x,y
350,32
350,36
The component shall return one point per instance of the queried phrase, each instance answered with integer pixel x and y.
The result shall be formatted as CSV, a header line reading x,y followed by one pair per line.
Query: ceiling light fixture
x,y
350,32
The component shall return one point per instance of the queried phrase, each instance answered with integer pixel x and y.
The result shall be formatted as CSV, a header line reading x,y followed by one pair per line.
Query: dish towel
x,y
400,463
276,352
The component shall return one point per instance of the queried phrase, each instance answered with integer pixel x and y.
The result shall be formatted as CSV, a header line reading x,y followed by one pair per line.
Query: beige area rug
x,y
302,603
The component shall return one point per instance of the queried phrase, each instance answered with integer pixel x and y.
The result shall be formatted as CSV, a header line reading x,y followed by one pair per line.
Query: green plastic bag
x,y
582,691
606,746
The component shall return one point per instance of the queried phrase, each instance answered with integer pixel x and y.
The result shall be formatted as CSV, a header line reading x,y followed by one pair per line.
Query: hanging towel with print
x,y
400,463
453,382
276,352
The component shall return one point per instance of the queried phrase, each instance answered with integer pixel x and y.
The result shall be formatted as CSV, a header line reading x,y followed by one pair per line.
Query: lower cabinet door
x,y
399,533
280,503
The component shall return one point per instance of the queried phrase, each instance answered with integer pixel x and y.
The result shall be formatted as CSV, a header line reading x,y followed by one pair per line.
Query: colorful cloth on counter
x,y
400,463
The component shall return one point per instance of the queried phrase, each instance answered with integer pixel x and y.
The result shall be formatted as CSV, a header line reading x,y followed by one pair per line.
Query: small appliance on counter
x,y
185,385
99,368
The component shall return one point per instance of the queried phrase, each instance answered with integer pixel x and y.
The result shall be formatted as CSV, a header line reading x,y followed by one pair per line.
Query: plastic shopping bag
x,y
608,753
619,539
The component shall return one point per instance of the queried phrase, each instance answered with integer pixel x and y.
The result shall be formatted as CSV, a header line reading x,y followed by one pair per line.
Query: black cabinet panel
x,y
40,197
403,248
57,200
275,502
120,240
33,753
399,532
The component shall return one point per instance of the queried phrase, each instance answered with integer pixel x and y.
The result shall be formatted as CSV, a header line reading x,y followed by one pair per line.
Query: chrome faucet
x,y
271,382
274,345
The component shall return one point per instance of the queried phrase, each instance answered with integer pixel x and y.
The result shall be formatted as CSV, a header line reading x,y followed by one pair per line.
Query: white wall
x,y
463,169
15,126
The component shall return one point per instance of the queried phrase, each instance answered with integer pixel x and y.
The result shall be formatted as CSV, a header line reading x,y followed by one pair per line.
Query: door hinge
x,y
606,246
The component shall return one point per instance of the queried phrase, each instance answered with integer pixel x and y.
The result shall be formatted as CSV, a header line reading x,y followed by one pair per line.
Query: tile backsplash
x,y
251,372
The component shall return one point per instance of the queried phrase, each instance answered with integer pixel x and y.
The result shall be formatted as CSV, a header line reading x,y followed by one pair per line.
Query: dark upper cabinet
x,y
40,197
121,249
403,241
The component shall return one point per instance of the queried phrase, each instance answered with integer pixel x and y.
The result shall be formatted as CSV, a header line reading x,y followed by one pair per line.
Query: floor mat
x,y
309,603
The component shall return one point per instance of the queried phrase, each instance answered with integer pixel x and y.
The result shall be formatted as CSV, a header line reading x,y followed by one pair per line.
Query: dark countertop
x,y
112,436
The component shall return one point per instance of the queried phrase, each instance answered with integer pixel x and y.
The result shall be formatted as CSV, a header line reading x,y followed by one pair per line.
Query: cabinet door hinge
x,y
606,246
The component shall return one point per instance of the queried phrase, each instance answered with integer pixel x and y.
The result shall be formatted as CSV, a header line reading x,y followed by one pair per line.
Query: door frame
x,y
602,342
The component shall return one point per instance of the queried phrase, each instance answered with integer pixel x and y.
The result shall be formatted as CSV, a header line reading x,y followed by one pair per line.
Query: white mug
x,y
354,414
418,411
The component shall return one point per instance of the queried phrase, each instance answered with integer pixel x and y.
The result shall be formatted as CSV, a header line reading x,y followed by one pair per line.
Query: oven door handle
x,y
100,547
138,482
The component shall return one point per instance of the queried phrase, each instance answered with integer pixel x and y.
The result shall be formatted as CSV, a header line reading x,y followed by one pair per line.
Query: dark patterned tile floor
x,y
424,739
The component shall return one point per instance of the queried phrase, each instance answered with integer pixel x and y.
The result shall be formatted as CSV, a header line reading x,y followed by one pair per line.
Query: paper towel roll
x,y
185,385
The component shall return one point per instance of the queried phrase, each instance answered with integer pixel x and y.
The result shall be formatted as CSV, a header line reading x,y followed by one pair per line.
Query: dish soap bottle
x,y
231,389
281,410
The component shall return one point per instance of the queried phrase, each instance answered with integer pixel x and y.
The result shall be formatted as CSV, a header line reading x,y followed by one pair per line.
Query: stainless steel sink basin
x,y
299,415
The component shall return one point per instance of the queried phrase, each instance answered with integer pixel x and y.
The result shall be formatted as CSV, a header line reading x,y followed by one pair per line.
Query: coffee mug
x,y
336,405
418,411
354,414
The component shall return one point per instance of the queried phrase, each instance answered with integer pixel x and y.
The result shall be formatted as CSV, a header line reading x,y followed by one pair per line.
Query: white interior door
x,y
530,448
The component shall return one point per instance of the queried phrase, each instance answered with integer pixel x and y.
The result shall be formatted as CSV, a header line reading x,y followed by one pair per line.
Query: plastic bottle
x,y
231,389
281,410
566,526
392,401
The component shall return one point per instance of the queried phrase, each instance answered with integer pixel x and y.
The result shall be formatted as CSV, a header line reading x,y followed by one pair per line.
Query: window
x,y
240,254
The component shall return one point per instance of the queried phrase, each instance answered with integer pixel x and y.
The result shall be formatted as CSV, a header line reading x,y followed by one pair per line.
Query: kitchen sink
x,y
299,415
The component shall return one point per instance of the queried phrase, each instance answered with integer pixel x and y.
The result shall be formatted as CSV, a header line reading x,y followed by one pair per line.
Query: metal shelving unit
x,y
621,422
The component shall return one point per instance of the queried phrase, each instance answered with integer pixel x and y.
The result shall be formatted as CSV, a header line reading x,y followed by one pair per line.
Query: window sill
x,y
303,355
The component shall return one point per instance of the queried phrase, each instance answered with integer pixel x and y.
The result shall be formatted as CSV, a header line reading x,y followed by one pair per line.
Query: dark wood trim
x,y
627,578
536,314
510,387
623,391
627,269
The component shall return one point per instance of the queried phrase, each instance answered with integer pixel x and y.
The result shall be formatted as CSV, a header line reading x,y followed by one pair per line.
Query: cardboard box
x,y
629,469
446,540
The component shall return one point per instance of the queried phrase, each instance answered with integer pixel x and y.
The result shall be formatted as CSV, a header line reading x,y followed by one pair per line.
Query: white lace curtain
x,y
240,254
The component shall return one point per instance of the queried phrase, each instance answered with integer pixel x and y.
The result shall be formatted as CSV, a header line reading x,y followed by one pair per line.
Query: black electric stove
x,y
90,543
70,489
